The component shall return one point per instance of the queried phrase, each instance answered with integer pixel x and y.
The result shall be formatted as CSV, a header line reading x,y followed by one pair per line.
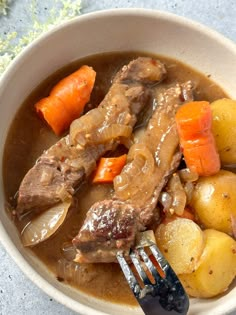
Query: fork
x,y
163,295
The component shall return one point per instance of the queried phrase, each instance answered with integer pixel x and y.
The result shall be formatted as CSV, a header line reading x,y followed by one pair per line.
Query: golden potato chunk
x,y
223,127
217,268
214,200
181,242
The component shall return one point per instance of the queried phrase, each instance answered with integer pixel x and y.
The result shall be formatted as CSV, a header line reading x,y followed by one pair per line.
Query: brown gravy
x,y
29,136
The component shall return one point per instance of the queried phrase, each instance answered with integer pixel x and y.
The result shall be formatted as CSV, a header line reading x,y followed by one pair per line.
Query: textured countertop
x,y
18,295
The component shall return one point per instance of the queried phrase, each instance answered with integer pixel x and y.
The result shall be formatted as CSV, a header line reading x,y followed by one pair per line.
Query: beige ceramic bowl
x,y
116,30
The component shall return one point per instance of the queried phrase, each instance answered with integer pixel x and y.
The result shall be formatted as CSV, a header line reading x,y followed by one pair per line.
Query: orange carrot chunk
x,y
67,99
194,122
109,168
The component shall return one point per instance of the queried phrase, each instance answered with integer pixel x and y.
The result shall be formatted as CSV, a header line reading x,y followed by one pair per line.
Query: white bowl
x,y
115,30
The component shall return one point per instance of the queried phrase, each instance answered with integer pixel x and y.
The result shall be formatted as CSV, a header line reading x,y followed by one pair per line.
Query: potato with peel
x,y
217,268
181,242
223,127
214,201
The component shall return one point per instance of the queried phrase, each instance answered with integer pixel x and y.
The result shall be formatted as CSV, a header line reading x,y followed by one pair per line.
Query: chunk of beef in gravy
x,y
144,71
161,140
60,170
110,226
56,175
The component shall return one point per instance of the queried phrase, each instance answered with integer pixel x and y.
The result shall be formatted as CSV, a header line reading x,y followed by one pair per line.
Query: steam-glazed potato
x,y
214,200
224,122
182,243
217,268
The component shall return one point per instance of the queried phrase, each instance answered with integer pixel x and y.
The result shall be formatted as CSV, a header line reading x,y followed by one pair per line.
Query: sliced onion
x,y
167,145
139,134
63,193
166,200
121,185
67,270
179,202
189,188
45,224
112,132
138,152
84,126
136,181
188,176
115,131
75,273
124,183
178,194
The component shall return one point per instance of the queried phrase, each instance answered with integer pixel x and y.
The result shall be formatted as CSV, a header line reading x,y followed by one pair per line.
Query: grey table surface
x,y
18,295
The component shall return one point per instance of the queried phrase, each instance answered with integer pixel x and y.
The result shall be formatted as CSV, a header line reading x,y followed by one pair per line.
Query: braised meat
x,y
60,170
110,225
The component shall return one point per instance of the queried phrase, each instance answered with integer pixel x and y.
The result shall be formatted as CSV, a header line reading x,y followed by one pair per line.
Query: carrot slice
x,y
52,110
194,119
109,168
67,99
194,122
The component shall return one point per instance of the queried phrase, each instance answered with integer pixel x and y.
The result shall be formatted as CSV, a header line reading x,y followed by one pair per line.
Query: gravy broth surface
x,y
29,136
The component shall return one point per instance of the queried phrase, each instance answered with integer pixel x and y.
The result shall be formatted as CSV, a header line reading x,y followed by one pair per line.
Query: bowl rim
x,y
8,244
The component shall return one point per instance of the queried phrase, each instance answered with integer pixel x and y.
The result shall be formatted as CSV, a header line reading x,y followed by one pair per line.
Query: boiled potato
x,y
181,242
217,268
224,122
214,200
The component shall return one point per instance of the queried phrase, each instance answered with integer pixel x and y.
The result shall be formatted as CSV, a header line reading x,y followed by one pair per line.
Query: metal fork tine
x,y
139,268
150,265
159,257
133,283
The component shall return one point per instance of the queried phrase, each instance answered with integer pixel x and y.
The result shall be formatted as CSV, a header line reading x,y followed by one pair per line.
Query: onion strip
x,y
109,133
178,194
45,224
85,125
186,175
136,178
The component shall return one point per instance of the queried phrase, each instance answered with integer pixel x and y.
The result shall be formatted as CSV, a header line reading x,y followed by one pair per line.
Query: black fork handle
x,y
151,307
168,298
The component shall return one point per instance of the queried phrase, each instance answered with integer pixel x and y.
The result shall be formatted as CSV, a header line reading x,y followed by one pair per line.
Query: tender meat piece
x,y
143,71
110,226
60,169
57,173
151,161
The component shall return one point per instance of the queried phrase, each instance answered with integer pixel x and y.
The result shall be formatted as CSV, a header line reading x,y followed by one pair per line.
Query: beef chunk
x,y
110,226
